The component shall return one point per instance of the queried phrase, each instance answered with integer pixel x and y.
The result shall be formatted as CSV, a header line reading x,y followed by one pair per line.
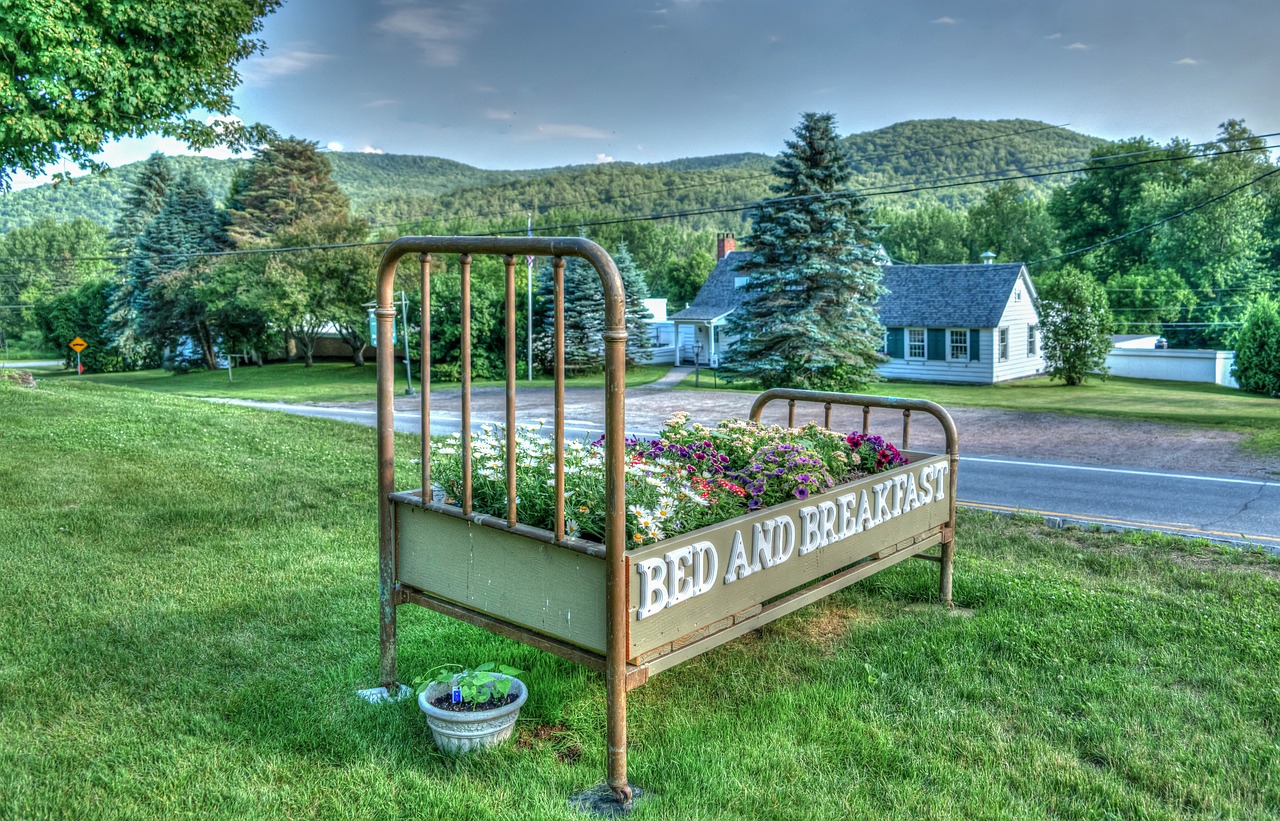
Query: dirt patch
x,y
555,736
22,379
827,626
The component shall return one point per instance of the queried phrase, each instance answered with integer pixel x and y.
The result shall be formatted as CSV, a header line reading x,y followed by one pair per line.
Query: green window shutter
x,y
897,343
937,343
975,347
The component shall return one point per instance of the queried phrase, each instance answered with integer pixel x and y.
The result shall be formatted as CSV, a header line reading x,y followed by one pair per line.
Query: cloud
x,y
437,34
368,149
1057,35
945,21
602,159
264,68
1188,61
570,131
383,103
1076,47
334,146
498,114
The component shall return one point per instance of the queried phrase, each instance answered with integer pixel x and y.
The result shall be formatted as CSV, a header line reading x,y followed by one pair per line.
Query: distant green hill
x,y
394,189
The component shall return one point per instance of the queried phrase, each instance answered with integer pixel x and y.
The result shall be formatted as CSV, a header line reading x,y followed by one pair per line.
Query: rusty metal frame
x,y
615,340
946,559
621,673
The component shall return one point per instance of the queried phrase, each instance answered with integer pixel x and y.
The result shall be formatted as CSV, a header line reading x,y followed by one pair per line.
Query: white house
x,y
943,323
960,323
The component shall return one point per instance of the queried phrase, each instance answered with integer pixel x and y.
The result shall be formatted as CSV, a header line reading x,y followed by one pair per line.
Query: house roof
x,y
718,295
972,296
968,296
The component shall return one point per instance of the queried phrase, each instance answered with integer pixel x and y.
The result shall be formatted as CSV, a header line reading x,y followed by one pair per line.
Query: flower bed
x,y
690,477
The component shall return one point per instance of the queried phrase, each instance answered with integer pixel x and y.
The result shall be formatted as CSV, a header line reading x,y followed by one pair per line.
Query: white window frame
x,y
953,346
1002,345
909,342
1033,347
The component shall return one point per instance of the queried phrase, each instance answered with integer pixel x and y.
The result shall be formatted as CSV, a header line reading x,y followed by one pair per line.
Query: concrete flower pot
x,y
468,731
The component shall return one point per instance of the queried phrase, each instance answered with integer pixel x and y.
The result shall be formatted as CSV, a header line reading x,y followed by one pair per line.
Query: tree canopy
x,y
84,74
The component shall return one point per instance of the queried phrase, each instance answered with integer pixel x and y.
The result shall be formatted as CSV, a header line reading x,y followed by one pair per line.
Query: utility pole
x,y
529,303
404,318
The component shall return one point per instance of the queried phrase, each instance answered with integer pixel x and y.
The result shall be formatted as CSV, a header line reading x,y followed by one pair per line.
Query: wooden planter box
x,y
686,594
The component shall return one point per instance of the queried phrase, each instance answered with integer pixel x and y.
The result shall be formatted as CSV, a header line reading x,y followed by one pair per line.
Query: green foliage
x,y
490,682
120,70
931,234
1076,323
79,312
1257,344
41,260
809,318
288,181
1012,222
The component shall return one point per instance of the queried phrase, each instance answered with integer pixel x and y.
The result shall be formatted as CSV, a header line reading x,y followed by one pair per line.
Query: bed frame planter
x,y
629,613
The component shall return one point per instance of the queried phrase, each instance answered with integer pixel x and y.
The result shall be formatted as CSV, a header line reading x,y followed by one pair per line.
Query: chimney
x,y
725,245
988,258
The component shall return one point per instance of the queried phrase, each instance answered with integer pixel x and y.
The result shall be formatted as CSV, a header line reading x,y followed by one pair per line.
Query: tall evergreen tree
x,y
188,223
583,318
145,199
288,181
639,332
810,319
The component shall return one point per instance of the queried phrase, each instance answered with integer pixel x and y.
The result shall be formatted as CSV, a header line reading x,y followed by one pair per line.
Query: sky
x,y
537,83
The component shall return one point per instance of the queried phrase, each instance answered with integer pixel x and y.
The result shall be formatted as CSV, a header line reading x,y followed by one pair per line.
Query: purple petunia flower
x,y
802,492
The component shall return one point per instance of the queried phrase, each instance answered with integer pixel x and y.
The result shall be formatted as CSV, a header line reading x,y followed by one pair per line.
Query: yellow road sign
x,y
78,344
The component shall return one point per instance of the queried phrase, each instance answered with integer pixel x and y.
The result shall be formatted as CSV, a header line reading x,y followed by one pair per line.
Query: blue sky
x,y
511,84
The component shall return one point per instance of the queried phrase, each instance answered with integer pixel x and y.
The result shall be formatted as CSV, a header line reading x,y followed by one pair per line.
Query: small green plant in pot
x,y
470,710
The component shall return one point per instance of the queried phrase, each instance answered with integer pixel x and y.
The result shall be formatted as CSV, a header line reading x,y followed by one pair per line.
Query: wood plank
x,y
790,604
514,579
653,627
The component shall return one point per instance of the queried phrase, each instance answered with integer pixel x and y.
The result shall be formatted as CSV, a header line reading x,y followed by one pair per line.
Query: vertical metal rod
x,y
465,307
866,419
791,413
906,429
617,614
826,416
948,552
424,374
510,262
385,315
558,267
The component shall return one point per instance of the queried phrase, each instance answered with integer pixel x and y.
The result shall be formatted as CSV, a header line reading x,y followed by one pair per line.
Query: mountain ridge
x,y
394,189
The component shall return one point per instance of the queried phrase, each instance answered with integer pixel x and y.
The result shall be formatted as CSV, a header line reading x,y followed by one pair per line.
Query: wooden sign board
x,y
690,584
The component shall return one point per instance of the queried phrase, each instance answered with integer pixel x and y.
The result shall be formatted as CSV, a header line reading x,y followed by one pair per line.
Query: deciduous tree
x,y
1076,323
84,74
1257,344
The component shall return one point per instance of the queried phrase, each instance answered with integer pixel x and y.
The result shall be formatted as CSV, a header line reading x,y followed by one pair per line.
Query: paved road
x,y
1217,507
45,364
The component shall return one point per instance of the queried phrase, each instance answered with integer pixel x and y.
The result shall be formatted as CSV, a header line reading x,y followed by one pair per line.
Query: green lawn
x,y
323,382
189,606
1177,403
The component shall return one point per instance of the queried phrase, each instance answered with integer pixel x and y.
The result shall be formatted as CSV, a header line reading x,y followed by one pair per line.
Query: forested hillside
x,y
393,189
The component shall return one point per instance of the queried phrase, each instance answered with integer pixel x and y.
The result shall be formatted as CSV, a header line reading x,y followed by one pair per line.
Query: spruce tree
x,y
639,333
188,223
142,202
583,318
809,319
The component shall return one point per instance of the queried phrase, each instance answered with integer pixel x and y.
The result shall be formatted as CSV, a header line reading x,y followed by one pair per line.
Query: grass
x,y
323,382
1175,403
190,604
